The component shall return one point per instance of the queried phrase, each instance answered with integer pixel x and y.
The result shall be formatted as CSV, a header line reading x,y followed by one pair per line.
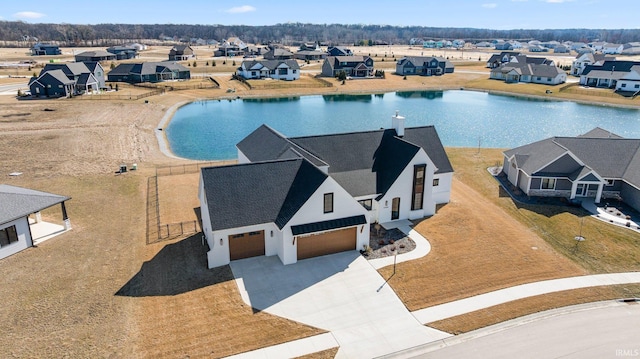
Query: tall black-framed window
x,y
418,186
328,202
8,235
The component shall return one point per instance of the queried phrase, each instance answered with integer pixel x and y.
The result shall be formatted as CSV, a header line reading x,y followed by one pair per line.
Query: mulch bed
x,y
388,243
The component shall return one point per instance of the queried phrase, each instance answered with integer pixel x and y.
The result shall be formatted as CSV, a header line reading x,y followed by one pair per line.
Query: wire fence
x,y
175,230
120,97
189,168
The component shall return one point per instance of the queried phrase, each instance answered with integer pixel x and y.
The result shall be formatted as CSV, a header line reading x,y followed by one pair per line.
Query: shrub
x,y
213,63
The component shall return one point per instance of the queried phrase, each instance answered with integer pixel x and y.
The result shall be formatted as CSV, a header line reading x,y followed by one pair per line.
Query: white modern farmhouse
x,y
304,197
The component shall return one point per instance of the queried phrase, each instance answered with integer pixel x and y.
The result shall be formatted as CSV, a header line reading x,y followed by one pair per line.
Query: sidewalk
x,y
422,247
467,305
601,213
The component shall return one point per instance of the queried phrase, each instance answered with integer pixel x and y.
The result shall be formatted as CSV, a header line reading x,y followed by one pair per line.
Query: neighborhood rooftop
x,y
19,202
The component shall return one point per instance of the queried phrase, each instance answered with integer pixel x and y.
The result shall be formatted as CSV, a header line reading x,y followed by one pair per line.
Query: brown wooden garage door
x,y
327,243
245,245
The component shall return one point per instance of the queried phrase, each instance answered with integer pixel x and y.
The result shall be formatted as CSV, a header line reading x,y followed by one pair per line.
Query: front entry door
x,y
395,208
582,189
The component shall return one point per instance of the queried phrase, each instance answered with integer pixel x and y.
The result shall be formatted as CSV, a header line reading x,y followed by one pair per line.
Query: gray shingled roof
x,y
261,192
18,202
610,157
363,163
271,64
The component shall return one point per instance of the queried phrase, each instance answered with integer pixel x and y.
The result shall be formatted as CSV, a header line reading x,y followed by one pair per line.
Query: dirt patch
x,y
325,354
475,248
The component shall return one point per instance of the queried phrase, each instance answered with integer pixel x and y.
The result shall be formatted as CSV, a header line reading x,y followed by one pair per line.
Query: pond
x,y
209,130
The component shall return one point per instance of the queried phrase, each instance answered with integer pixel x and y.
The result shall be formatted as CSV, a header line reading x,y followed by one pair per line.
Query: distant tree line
x,y
288,34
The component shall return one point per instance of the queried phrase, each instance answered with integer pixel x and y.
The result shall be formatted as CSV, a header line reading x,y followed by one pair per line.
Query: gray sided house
x,y
181,53
597,165
339,51
424,66
45,49
354,66
123,52
149,72
278,54
52,83
88,76
95,56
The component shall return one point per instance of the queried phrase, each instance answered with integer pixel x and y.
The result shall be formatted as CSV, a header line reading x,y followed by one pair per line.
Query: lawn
x,y
482,241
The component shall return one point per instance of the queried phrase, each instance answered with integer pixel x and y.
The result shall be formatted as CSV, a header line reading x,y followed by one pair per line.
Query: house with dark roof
x,y
354,66
424,66
301,197
123,52
45,49
523,68
95,56
498,59
612,74
52,84
278,53
273,69
149,72
18,204
68,79
181,53
583,60
597,165
339,51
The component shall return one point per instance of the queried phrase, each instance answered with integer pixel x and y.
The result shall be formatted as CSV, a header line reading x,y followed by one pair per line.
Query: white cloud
x,y
28,15
557,1
241,9
490,5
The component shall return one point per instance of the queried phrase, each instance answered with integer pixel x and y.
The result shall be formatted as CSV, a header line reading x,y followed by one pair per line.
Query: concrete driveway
x,y
341,293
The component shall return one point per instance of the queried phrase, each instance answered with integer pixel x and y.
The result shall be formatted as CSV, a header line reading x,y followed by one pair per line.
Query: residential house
x,y
483,44
536,48
458,43
416,41
354,66
137,46
423,65
310,51
95,56
278,54
596,165
503,45
305,197
631,48
52,84
530,70
87,76
586,59
575,46
429,44
612,48
630,83
18,204
608,74
123,52
149,72
45,49
597,45
498,59
274,69
561,49
339,51
181,53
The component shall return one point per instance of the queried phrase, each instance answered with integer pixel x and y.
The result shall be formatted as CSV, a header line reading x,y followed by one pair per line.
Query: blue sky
x,y
493,14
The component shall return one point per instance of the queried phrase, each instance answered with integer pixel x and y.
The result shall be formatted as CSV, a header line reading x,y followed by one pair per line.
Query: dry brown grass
x,y
500,313
476,248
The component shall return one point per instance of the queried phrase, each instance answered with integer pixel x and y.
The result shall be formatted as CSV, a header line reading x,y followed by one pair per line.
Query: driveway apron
x,y
340,293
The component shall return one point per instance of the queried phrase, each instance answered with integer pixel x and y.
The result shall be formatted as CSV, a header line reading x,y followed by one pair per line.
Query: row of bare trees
x,y
289,34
